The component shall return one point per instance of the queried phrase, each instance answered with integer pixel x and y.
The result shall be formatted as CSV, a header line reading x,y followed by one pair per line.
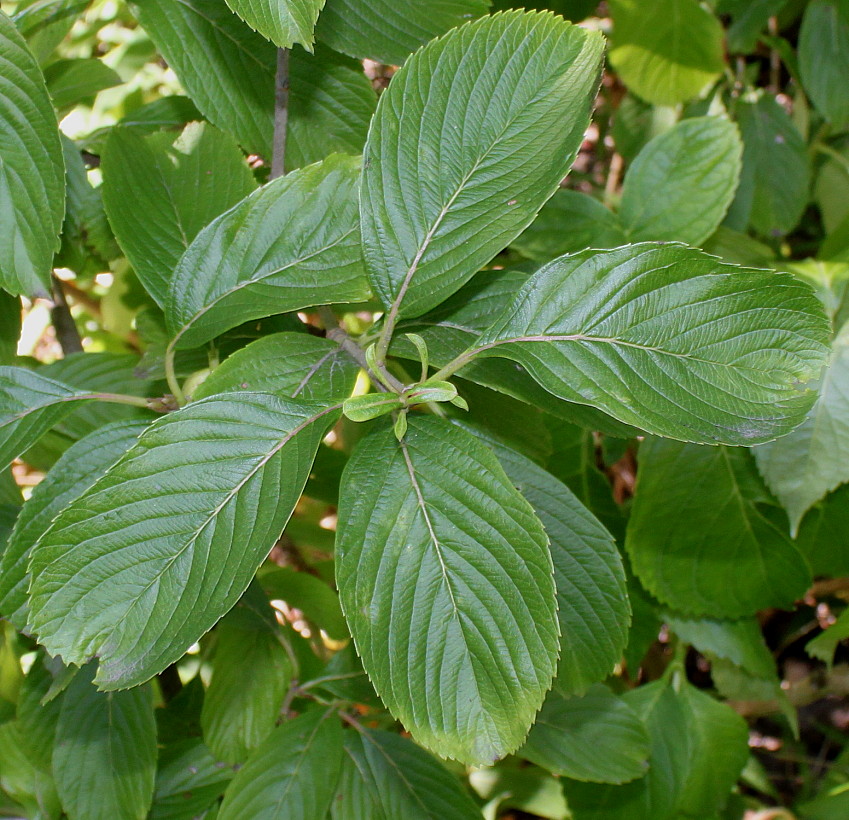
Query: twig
x,y
281,114
338,335
66,328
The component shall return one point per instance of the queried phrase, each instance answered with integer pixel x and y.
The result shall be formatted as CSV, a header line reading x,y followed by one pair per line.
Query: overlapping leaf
x,y
78,468
156,551
159,192
292,774
290,245
32,171
703,546
670,340
284,22
389,32
437,202
446,582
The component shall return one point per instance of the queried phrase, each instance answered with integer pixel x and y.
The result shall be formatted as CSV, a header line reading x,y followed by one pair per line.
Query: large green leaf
x,y
669,339
703,546
770,202
389,32
32,790
160,190
230,77
293,774
155,552
439,202
284,22
292,244
452,327
239,710
104,760
666,51
802,467
71,81
30,405
824,57
32,171
682,182
596,737
570,221
387,777
78,468
446,582
296,365
592,604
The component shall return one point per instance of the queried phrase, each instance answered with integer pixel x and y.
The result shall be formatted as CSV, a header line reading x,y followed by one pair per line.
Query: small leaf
x,y
667,51
284,22
824,57
297,767
825,644
431,391
72,81
30,405
77,469
290,365
146,564
596,328
682,182
805,465
455,564
703,546
104,761
32,171
240,710
290,245
438,203
371,406
387,777
389,32
159,191
595,737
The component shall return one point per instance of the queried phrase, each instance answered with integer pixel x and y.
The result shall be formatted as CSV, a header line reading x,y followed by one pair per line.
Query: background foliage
x,y
630,467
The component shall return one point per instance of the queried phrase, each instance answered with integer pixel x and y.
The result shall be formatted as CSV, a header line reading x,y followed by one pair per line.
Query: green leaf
x,y
77,469
821,536
21,779
72,81
769,202
596,737
682,182
389,32
824,57
313,597
30,405
749,18
702,545
32,171
293,365
230,76
10,327
570,221
290,245
371,406
438,203
452,327
160,190
284,22
188,781
104,761
387,777
805,465
240,710
146,565
825,644
294,771
38,722
597,328
667,51
592,603
439,560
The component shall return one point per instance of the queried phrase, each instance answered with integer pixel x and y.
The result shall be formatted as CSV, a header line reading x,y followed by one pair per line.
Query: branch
x,y
281,114
66,328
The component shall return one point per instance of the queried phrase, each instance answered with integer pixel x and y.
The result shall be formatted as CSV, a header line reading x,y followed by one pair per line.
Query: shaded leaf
x,y
824,57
